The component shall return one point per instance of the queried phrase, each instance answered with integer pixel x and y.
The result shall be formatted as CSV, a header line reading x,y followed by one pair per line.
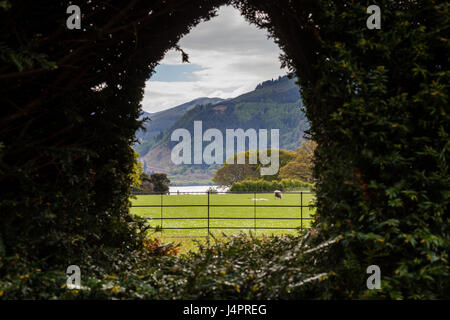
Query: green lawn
x,y
230,212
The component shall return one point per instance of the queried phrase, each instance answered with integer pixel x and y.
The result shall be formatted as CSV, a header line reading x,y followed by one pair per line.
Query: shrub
x,y
376,104
269,186
236,267
212,190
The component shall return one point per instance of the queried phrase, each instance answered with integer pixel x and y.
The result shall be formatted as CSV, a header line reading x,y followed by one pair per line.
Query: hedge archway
x,y
376,100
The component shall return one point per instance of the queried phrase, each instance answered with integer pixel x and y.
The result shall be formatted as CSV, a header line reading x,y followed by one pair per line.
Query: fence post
x,y
161,213
301,210
208,218
254,210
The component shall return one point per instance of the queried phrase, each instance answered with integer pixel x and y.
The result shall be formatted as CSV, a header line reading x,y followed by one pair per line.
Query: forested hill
x,y
274,104
162,121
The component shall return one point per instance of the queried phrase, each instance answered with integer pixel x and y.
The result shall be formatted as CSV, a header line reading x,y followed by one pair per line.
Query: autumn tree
x,y
135,175
230,172
301,167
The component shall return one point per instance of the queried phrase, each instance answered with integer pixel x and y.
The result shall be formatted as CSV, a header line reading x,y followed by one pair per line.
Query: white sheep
x,y
277,194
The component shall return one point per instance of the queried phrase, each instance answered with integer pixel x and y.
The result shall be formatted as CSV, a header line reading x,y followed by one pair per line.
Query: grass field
x,y
234,215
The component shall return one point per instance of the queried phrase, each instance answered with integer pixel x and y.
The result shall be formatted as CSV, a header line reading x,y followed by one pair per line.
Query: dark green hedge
x,y
379,113
66,155
270,186
377,101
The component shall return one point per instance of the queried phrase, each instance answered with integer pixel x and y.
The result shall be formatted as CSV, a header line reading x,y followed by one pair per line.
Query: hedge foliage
x,y
377,101
378,108
70,100
236,267
270,186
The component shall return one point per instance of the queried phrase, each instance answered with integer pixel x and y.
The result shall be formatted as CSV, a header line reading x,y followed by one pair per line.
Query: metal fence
x,y
208,205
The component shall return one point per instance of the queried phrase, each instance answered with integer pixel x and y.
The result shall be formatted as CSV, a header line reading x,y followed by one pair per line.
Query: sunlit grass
x,y
185,236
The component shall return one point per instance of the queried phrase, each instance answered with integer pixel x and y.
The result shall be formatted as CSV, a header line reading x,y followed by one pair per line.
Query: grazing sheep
x,y
277,194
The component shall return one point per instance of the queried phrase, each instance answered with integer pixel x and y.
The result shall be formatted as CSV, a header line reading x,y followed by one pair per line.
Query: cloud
x,y
228,57
175,73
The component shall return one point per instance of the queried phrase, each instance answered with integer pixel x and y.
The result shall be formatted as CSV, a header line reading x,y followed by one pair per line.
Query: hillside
x,y
274,104
162,121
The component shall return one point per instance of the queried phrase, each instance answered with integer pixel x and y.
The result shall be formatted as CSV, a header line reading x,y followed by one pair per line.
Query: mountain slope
x,y
162,121
274,104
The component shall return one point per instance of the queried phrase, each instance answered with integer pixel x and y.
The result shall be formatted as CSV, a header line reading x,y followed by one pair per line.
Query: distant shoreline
x,y
199,188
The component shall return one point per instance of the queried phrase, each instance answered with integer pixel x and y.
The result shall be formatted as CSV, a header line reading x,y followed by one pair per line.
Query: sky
x,y
228,57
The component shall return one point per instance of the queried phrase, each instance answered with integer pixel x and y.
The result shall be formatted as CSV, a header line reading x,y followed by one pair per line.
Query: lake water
x,y
193,189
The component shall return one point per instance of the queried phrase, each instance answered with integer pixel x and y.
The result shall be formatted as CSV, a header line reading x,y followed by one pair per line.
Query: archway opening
x,y
375,99
223,88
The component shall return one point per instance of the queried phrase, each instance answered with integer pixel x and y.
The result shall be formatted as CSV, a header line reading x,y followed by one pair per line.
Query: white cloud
x,y
233,57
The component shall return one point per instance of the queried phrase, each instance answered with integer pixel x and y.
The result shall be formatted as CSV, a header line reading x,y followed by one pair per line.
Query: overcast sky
x,y
228,57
